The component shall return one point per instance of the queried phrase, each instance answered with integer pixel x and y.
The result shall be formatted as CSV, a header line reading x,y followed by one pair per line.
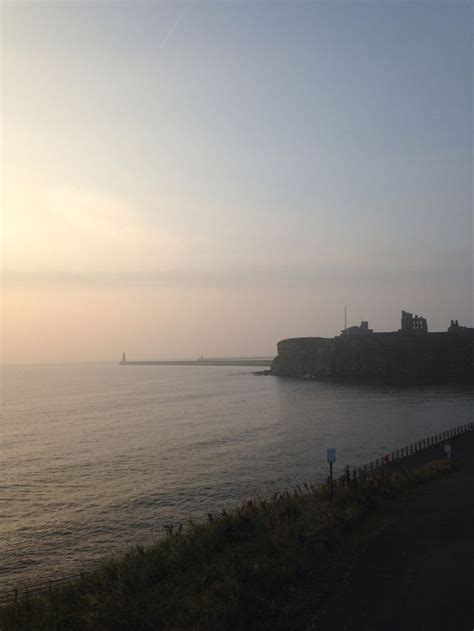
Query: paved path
x,y
418,573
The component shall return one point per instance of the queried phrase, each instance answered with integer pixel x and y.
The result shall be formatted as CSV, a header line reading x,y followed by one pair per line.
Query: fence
x,y
12,594
376,465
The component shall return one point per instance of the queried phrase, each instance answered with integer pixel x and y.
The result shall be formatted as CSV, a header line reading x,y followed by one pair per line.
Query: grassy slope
x,y
266,565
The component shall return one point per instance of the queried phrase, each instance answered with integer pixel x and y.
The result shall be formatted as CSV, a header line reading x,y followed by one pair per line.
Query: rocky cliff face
x,y
381,357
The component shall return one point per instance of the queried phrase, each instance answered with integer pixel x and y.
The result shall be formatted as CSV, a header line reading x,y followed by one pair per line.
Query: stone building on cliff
x,y
456,328
363,329
413,324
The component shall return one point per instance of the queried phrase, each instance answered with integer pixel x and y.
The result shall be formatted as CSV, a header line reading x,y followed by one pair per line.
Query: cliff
x,y
381,357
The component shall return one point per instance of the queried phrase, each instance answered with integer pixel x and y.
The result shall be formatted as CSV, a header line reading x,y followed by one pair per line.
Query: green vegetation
x,y
265,565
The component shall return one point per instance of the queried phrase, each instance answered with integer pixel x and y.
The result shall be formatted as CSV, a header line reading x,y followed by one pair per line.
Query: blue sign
x,y
331,455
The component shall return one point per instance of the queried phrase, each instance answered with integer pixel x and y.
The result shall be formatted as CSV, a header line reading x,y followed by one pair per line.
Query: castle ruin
x,y
413,324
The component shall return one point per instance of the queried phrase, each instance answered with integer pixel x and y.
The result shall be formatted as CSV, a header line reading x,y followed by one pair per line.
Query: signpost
x,y
331,456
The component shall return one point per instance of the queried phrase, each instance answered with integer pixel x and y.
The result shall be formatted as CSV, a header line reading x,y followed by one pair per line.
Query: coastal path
x,y
417,574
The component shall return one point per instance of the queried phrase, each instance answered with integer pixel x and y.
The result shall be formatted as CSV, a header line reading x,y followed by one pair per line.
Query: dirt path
x,y
418,573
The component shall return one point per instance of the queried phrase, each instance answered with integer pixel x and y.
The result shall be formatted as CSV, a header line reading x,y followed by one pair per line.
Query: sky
x,y
206,178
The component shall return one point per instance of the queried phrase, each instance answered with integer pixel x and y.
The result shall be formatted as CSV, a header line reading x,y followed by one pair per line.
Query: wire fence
x,y
9,596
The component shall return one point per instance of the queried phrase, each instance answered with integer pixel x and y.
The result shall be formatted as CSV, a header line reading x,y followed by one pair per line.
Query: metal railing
x,y
10,595
21,589
355,473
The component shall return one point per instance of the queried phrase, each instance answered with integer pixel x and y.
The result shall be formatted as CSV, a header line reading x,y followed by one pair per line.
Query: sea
x,y
98,458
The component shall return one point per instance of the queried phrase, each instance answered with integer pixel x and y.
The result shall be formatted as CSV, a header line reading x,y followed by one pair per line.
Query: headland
x,y
410,355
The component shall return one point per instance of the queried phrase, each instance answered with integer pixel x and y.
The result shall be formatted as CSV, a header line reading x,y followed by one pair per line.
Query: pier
x,y
211,361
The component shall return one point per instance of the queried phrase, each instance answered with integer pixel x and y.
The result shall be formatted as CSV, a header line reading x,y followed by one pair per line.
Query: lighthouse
x,y
124,360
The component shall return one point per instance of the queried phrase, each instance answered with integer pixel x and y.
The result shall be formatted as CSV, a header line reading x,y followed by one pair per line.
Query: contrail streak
x,y
173,27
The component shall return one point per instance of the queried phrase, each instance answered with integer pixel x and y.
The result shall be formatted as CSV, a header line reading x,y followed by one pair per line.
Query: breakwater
x,y
202,362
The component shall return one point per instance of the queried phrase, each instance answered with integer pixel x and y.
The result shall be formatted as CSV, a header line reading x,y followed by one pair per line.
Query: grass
x,y
265,565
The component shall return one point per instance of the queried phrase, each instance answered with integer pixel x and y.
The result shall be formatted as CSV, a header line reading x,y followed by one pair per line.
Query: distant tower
x,y
345,317
124,360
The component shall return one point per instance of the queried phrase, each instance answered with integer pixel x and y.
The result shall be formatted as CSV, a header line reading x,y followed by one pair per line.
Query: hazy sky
x,y
210,177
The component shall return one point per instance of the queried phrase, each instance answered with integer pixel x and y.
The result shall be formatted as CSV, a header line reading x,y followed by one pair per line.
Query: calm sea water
x,y
97,458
